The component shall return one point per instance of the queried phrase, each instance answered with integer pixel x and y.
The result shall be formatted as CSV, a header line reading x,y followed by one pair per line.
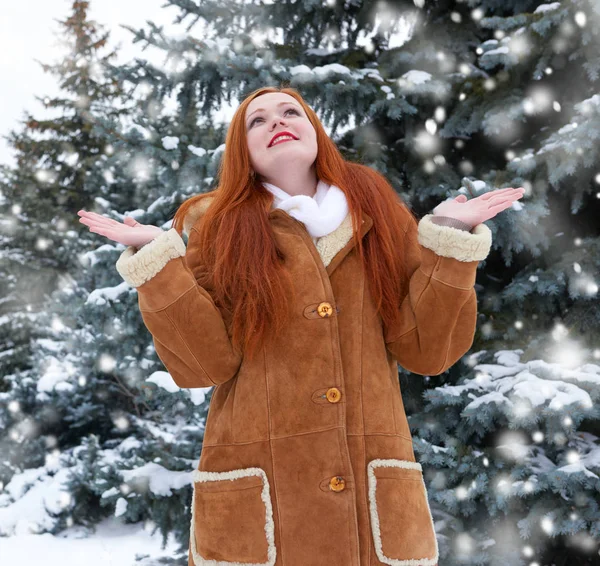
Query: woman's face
x,y
280,112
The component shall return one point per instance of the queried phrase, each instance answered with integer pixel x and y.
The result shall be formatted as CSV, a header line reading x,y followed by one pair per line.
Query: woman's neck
x,y
293,184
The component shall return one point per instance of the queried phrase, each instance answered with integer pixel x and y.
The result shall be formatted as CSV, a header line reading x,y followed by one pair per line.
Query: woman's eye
x,y
288,110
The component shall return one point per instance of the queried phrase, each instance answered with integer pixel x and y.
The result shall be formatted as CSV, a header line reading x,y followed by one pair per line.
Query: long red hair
x,y
238,252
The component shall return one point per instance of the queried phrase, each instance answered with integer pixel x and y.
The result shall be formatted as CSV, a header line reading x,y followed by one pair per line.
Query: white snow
x,y
163,379
170,142
595,100
416,77
512,385
568,128
199,151
490,42
51,345
33,491
100,297
478,185
113,543
325,70
159,480
56,375
198,394
321,73
102,202
499,51
120,507
547,7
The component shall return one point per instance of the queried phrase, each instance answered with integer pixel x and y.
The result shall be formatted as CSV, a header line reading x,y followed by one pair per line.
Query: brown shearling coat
x,y
307,457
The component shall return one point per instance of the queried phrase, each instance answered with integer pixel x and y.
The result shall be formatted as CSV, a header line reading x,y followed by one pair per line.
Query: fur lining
x,y
330,244
138,266
202,476
393,462
194,213
452,242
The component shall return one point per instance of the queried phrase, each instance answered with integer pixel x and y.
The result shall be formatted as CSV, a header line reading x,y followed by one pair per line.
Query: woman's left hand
x,y
480,209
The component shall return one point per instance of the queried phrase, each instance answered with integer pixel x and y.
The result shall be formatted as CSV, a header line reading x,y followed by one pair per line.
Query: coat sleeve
x,y
188,330
438,313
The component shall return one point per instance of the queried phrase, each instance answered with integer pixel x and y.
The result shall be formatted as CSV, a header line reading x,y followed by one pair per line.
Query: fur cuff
x,y
138,266
451,242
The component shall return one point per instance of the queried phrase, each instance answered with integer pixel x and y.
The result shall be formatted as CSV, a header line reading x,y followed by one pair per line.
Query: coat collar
x,y
332,248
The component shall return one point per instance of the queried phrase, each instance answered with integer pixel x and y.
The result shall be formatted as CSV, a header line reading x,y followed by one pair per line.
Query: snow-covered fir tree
x,y
65,161
97,423
474,96
61,166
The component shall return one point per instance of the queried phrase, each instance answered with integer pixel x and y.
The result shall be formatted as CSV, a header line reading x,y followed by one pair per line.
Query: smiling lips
x,y
283,136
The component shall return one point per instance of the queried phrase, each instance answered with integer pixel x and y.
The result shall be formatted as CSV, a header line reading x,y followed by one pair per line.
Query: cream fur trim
x,y
392,462
201,476
137,267
330,244
194,213
450,242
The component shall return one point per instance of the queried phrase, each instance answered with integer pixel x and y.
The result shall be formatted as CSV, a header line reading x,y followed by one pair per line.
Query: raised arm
x,y
439,312
189,333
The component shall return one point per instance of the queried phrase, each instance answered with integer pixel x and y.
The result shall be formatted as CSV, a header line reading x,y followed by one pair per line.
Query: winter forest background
x,y
98,444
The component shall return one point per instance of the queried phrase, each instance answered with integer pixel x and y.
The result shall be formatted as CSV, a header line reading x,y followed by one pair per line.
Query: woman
x,y
305,281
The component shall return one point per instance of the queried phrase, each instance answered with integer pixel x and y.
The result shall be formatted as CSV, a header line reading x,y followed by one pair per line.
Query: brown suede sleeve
x,y
439,312
190,336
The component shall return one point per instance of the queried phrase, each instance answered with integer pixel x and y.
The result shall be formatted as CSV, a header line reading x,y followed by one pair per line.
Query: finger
x,y
99,218
505,198
93,216
114,235
89,214
93,224
499,208
91,221
497,192
107,233
97,230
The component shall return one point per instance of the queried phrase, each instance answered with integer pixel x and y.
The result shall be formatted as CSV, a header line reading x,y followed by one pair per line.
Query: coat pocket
x,y
401,521
232,518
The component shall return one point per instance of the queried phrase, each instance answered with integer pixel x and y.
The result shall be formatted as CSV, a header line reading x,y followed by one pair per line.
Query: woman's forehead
x,y
268,100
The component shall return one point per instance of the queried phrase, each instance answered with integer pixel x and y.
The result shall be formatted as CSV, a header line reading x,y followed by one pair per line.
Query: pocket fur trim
x,y
204,476
393,462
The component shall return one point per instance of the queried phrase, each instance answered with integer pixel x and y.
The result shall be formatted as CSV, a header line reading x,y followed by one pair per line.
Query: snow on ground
x,y
113,544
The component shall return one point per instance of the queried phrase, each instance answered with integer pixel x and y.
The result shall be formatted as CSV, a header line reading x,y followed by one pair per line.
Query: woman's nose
x,y
275,121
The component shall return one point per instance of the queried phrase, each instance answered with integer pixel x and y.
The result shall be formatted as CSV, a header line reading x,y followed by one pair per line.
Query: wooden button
x,y
333,395
324,309
337,483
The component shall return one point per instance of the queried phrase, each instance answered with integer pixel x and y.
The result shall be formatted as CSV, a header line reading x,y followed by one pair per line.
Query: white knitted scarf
x,y
321,214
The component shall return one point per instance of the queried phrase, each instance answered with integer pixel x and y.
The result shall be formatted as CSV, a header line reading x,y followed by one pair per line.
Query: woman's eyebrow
x,y
280,104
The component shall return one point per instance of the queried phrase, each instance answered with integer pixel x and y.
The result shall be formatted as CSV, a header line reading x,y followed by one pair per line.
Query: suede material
x,y
321,406
400,514
221,532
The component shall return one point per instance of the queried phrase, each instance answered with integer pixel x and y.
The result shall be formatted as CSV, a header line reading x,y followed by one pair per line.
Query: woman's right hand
x,y
128,233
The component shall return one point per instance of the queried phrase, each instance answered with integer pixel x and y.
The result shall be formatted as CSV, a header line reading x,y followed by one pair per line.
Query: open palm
x,y
479,209
129,232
